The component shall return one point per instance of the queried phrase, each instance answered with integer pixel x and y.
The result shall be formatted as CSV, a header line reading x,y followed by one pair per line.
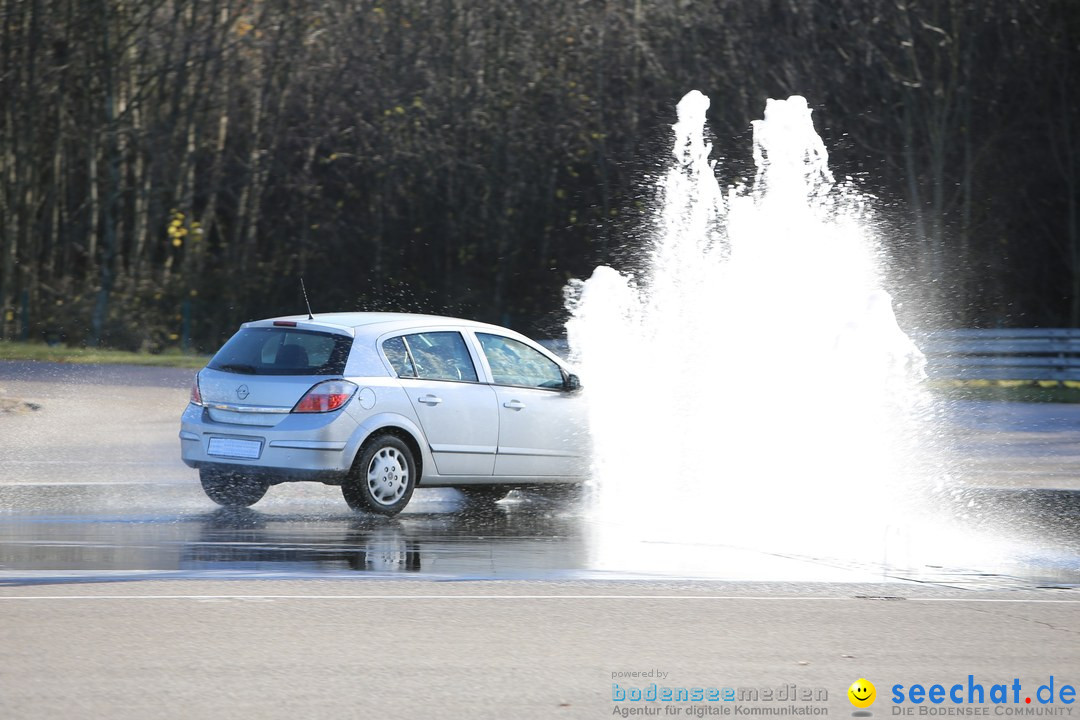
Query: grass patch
x,y
39,352
1008,390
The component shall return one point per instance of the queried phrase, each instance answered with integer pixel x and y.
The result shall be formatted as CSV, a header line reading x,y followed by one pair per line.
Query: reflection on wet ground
x,y
83,531
65,533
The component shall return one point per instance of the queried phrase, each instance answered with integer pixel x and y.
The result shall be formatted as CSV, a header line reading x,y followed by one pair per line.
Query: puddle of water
x,y
66,533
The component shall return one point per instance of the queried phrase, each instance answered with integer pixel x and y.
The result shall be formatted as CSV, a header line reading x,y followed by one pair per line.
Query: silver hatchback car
x,y
382,403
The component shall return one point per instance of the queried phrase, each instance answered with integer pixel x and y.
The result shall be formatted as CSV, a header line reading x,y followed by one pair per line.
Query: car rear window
x,y
283,351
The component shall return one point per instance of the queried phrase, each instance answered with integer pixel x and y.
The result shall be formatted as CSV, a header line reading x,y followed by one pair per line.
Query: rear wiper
x,y
237,367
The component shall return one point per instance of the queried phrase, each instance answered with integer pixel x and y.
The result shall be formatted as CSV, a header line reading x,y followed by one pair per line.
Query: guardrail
x,y
1029,354
1009,354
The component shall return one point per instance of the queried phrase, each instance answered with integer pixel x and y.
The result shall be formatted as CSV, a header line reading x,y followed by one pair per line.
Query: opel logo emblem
x,y
242,392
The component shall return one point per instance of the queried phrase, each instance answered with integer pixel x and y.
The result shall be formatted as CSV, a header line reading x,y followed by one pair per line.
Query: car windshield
x,y
283,351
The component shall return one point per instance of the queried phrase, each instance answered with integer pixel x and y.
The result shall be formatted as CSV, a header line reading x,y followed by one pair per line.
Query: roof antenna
x,y
304,290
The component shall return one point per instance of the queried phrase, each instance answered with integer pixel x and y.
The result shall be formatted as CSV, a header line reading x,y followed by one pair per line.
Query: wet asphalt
x,y
92,488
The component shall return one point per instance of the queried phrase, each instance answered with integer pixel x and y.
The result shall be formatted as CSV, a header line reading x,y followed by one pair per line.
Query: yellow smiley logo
x,y
862,693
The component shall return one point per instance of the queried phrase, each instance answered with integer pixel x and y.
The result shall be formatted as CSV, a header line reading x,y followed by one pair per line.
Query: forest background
x,y
169,169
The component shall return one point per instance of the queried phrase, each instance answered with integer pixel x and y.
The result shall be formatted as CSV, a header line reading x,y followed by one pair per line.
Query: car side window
x,y
515,363
431,356
398,355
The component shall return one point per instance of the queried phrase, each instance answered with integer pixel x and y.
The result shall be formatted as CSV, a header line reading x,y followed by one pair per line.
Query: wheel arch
x,y
406,437
400,428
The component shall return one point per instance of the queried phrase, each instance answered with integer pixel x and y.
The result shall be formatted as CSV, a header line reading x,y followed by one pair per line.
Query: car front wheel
x,y
232,489
383,477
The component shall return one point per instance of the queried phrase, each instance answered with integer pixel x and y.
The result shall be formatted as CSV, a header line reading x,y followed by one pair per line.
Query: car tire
x,y
232,489
382,478
480,495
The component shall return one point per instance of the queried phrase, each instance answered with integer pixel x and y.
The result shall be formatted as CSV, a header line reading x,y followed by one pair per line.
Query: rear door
x,y
542,431
459,414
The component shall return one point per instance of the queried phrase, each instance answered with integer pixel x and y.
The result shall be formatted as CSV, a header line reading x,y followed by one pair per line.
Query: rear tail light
x,y
326,397
196,394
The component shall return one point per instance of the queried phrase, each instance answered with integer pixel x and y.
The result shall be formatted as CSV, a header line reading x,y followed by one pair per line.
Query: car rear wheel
x,y
382,478
232,489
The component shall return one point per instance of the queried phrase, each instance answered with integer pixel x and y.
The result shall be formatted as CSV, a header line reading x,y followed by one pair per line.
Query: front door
x,y
542,431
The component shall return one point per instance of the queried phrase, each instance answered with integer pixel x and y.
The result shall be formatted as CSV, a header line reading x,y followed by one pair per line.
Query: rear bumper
x,y
276,476
300,447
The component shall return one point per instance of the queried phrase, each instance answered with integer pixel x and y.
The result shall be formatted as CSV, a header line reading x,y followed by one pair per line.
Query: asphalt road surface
x,y
125,593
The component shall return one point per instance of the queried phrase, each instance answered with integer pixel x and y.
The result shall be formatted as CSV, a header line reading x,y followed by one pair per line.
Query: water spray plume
x,y
751,387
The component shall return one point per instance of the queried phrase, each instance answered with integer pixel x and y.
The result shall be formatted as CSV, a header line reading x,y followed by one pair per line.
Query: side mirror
x,y
572,383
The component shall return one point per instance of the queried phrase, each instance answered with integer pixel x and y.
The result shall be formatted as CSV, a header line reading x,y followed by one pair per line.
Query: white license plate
x,y
231,447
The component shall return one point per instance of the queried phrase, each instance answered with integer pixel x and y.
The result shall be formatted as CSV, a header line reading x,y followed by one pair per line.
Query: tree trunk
x,y
100,314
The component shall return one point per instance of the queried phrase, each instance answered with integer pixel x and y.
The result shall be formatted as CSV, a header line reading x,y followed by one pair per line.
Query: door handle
x,y
432,400
514,405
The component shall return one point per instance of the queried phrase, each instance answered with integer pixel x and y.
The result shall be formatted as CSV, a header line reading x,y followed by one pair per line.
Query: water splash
x,y
752,387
